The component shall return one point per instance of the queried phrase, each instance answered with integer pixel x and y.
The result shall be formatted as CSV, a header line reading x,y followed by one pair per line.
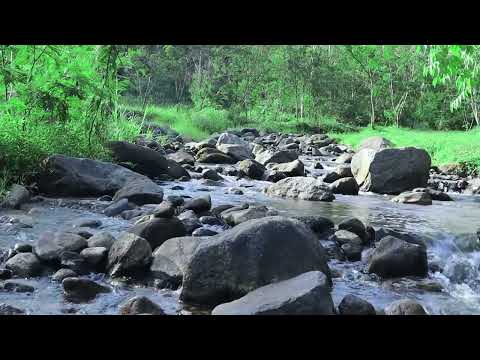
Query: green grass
x,y
199,124
444,147
25,144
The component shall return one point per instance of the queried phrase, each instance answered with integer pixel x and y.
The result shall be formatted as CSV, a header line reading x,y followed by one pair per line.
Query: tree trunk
x,y
372,115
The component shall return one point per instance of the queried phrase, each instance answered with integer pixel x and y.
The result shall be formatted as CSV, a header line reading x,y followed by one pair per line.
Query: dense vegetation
x,y
72,99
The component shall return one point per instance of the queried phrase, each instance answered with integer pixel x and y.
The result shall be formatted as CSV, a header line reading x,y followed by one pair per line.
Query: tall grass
x,y
444,147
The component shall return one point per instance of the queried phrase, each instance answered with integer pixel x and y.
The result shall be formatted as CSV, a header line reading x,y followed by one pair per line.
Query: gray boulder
x,y
234,217
129,254
391,171
394,257
79,290
375,143
140,192
255,253
251,168
17,196
304,188
345,186
405,307
117,207
182,158
305,294
410,197
101,239
67,176
24,265
50,246
158,230
140,305
293,168
353,305
279,157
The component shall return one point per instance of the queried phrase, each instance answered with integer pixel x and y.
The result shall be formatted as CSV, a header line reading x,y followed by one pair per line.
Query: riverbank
x,y
444,147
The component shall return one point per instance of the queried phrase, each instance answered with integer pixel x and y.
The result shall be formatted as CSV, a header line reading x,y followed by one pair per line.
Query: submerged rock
x,y
305,294
410,197
405,307
78,290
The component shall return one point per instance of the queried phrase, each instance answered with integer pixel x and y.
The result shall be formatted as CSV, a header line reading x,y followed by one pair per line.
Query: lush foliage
x,y
59,99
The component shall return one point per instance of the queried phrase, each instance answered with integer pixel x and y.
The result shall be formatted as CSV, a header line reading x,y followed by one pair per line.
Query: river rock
x,y
94,255
434,194
190,221
15,286
289,169
353,305
345,186
211,175
140,305
210,220
165,210
199,205
305,294
234,217
251,168
304,188
23,247
101,239
17,196
391,171
63,274
78,290
394,257
182,157
405,307
279,157
318,224
375,143
146,161
140,192
253,254
129,254
410,197
67,176
6,309
24,265
237,152
5,274
170,260
355,226
203,232
157,230
117,207
50,246
213,156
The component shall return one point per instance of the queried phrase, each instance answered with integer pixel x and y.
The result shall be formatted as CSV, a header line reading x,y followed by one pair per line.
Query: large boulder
x,y
146,161
391,171
394,257
50,246
17,196
67,176
158,230
375,143
279,157
140,192
253,254
305,294
129,255
304,188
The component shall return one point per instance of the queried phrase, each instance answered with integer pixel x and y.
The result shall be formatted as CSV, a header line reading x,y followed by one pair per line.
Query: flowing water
x,y
448,229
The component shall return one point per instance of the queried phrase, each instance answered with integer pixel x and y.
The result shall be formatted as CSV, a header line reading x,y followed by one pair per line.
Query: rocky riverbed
x,y
242,223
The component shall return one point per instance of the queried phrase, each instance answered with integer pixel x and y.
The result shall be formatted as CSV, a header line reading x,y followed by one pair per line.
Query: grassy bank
x,y
199,124
445,147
